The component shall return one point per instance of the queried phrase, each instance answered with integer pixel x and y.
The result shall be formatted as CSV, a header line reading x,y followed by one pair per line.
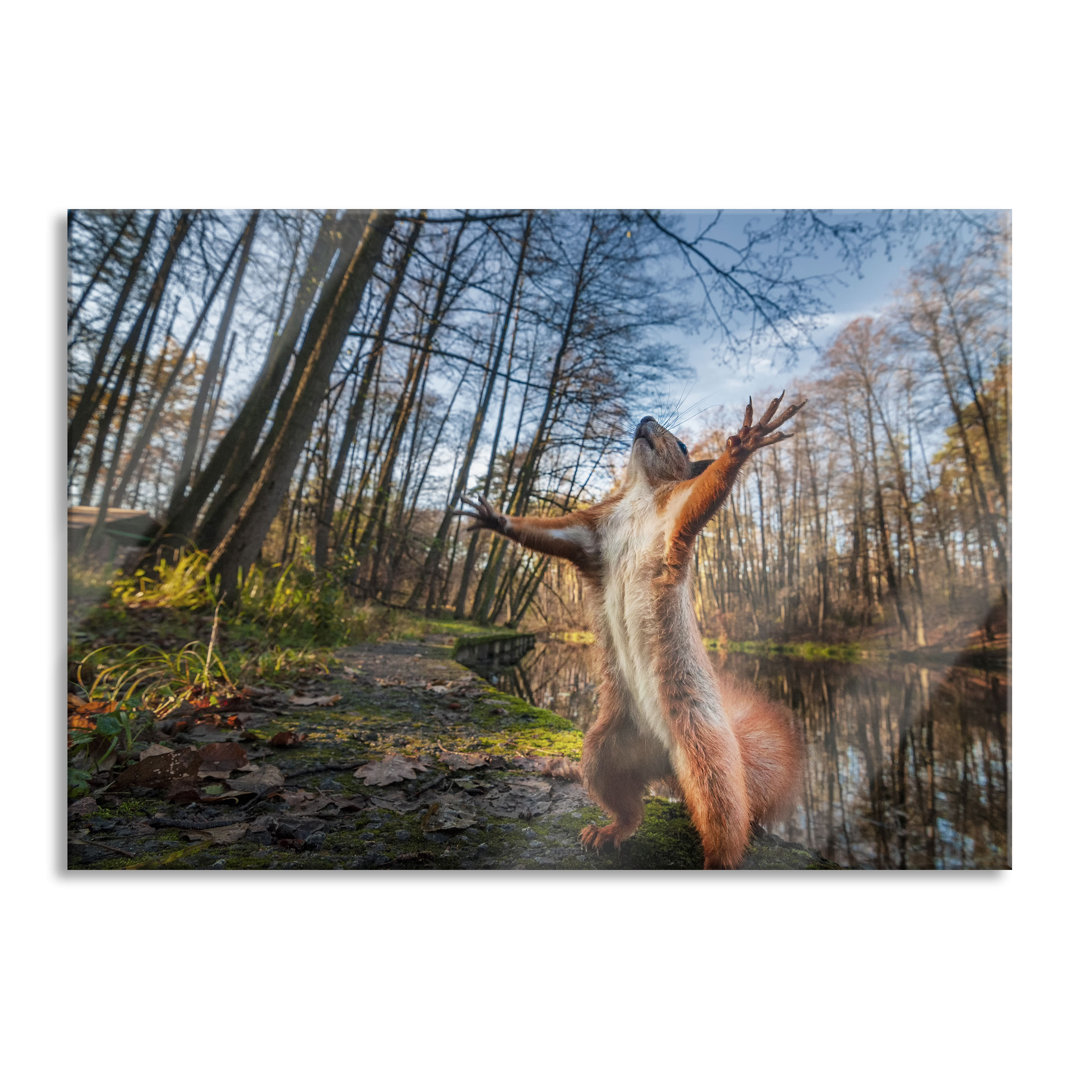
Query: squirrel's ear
x,y
698,467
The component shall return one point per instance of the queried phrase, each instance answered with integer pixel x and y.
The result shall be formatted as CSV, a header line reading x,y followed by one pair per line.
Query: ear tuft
x,y
698,467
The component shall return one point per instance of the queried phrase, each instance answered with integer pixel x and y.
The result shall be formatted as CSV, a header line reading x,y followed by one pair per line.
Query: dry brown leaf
x,y
331,699
77,705
443,818
301,800
219,759
354,802
223,834
154,749
521,799
389,771
288,738
268,778
160,770
463,761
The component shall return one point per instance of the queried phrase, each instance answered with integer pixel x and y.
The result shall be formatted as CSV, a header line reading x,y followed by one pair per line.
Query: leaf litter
x,y
224,795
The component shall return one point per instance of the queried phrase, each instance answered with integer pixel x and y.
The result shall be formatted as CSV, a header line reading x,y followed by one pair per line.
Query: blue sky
x,y
723,375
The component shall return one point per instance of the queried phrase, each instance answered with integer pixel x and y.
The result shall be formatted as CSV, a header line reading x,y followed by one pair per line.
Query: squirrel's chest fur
x,y
646,620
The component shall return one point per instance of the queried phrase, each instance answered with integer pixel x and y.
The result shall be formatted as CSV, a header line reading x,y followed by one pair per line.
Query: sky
x,y
724,376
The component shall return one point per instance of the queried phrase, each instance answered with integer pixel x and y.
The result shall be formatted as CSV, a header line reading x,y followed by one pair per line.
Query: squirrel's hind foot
x,y
596,837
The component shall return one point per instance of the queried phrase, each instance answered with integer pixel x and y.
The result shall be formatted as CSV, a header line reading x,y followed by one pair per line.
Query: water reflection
x,y
907,767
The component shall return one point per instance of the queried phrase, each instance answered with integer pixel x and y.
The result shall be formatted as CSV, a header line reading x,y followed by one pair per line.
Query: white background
x,y
924,105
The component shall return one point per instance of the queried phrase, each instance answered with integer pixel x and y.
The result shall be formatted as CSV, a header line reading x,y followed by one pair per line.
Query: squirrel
x,y
664,713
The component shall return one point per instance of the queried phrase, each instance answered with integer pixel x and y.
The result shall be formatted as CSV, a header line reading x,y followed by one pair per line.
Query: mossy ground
x,y
806,650
405,698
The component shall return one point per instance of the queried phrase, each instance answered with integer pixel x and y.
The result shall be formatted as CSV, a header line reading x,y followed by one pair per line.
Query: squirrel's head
x,y
659,457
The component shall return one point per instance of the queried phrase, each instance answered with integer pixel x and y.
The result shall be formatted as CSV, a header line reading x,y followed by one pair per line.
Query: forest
x,y
306,396
275,419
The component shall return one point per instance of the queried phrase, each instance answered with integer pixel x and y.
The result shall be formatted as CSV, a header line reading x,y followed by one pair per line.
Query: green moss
x,y
513,726
407,626
484,638
438,708
807,650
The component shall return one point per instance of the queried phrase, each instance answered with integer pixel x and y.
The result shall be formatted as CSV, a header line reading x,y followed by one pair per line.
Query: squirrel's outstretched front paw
x,y
751,436
484,515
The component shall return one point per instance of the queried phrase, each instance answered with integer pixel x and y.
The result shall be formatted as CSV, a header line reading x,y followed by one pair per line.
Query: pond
x,y
908,766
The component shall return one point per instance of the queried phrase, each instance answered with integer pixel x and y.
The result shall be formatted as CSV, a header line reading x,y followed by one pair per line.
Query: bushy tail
x,y
771,747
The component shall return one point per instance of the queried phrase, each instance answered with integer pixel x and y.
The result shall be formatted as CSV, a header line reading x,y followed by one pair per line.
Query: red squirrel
x,y
663,711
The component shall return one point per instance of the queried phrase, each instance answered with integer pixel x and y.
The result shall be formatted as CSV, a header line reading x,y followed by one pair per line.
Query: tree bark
x,y
73,314
328,498
429,576
331,320
150,422
233,454
92,392
372,539
149,309
482,603
191,443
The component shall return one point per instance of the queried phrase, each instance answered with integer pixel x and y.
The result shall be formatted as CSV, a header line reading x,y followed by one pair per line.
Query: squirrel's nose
x,y
642,431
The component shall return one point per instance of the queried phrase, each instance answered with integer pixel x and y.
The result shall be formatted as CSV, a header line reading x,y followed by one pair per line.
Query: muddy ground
x,y
398,758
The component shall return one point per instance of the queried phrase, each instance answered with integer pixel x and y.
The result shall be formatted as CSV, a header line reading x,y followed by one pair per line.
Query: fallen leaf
x,y
463,761
223,834
218,760
521,799
160,770
81,807
183,791
263,696
303,801
206,730
268,778
355,802
389,771
154,749
442,818
332,699
77,705
288,738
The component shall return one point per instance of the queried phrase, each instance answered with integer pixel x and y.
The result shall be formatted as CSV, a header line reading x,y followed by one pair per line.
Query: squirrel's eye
x,y
682,447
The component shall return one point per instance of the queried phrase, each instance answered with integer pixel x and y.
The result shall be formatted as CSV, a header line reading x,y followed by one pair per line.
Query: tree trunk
x,y
429,576
372,539
215,403
149,309
328,497
150,422
73,314
330,323
217,350
234,453
92,392
482,604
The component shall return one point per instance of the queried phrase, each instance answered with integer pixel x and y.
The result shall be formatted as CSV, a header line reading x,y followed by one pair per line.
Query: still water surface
x,y
908,767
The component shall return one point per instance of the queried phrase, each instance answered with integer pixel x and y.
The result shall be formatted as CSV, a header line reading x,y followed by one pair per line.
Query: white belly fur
x,y
633,539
